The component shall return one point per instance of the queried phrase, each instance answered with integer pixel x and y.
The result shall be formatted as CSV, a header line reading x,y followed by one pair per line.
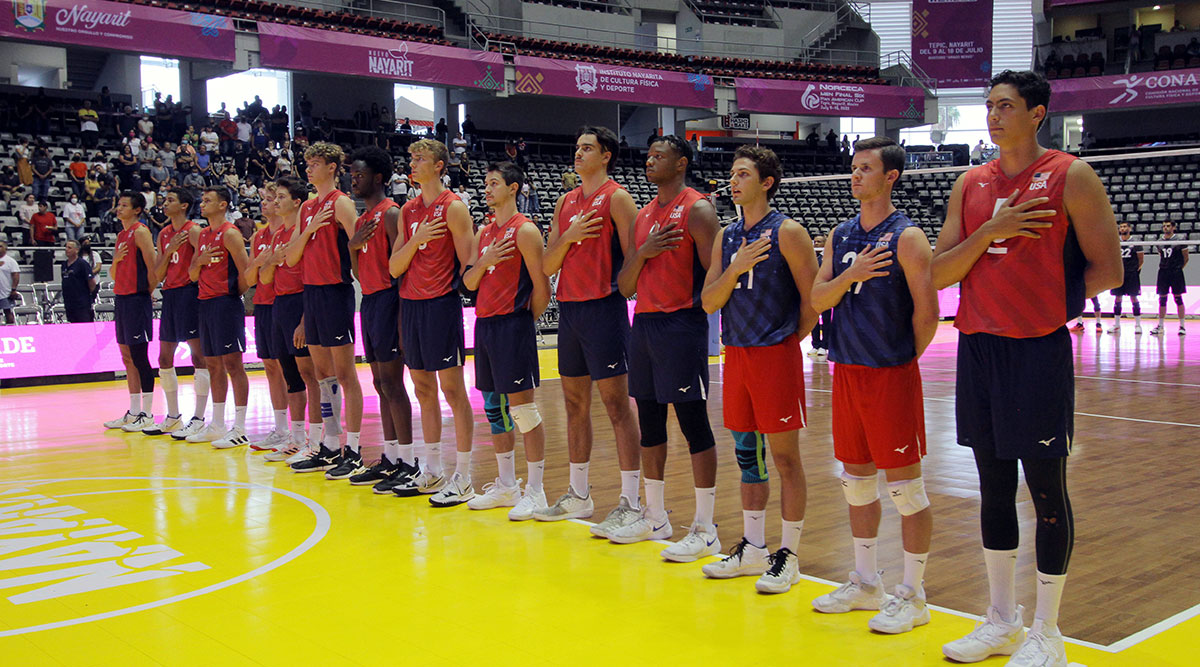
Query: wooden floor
x,y
1132,481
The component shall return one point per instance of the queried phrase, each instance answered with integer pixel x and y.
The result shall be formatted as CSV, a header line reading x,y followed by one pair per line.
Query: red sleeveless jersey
x,y
589,270
264,294
507,286
673,280
435,267
132,274
373,271
1021,287
288,279
220,276
326,258
181,259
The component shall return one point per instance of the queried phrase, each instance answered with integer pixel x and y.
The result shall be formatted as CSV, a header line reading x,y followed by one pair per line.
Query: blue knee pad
x,y
495,406
750,448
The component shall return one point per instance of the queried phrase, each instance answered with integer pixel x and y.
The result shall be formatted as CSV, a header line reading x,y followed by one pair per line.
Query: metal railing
x,y
916,76
842,14
607,6
769,20
388,9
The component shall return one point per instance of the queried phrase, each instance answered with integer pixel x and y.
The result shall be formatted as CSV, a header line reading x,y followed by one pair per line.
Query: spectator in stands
x,y
259,136
406,126
21,154
1178,27
283,164
146,126
25,213
244,132
133,142
43,168
44,224
146,157
569,181
813,138
279,123
398,185
977,153
94,259
831,140
249,192
78,285
306,109
209,139
77,171
158,175
41,112
469,132
227,131
10,183
75,216
325,129
126,121
105,200
244,222
194,182
464,195
204,162
454,170
167,155
126,167
89,125
90,185
1193,47
10,277
362,117
185,159
232,183
459,144
439,130
190,136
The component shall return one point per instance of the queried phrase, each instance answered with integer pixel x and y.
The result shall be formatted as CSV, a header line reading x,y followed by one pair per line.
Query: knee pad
x,y
526,417
1179,300
908,496
693,421
291,374
201,381
750,448
170,380
1162,300
860,491
1137,307
652,422
495,406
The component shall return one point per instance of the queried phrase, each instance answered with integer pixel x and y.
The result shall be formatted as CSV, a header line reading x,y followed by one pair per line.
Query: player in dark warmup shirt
x,y
1131,262
1172,259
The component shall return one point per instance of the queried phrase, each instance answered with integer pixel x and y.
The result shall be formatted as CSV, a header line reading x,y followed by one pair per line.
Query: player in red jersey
x,y
1029,236
132,260
435,243
513,291
669,253
220,266
588,235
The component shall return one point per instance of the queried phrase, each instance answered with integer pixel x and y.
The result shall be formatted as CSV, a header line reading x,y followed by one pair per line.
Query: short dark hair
x,y
376,159
891,153
296,188
509,172
677,144
136,199
1031,86
765,161
220,191
184,196
606,138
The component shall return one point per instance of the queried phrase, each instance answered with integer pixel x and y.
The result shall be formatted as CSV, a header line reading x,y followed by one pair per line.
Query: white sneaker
x,y
1156,331
141,421
208,433
992,636
901,613
744,560
622,515
123,420
304,452
822,353
282,453
568,506
700,541
531,501
812,352
272,440
455,492
194,426
1041,649
783,570
234,437
1137,329
1114,329
852,595
167,426
496,495
643,528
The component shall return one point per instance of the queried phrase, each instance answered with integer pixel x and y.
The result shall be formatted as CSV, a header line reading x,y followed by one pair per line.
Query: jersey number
x,y
1126,252
1166,251
749,276
848,259
414,233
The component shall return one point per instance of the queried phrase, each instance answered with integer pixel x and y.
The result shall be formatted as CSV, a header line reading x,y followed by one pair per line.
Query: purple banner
x,y
293,47
633,85
810,98
952,41
1126,91
120,26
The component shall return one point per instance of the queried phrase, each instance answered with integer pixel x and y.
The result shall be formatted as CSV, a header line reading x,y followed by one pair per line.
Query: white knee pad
x,y
908,495
525,416
169,379
860,490
201,381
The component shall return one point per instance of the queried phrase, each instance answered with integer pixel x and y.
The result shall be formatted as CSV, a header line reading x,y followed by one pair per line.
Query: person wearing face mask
x,y
74,215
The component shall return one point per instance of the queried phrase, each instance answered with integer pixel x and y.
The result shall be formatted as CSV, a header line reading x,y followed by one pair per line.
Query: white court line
x,y
1154,630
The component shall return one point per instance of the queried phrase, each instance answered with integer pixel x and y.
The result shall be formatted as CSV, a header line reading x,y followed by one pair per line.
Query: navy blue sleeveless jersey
x,y
765,306
874,319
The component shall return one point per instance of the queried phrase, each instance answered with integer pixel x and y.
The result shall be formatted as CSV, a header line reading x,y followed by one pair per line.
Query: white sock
x,y
148,403
433,457
135,403
239,417
170,385
579,479
391,450
405,452
281,420
1002,580
352,441
753,528
629,486
219,414
656,503
1049,596
331,441
297,432
200,383
705,500
315,431
462,464
506,464
914,571
535,469
866,563
791,535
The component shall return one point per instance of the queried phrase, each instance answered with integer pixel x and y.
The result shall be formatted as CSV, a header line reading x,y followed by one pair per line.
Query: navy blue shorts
x,y
180,314
1016,396
432,332
329,315
506,358
1171,282
134,316
264,327
1132,286
222,325
592,337
380,315
287,313
668,356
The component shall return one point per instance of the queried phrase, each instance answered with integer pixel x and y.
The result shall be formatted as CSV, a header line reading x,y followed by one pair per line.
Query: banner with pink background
x,y
120,26
632,85
1126,91
952,41
811,98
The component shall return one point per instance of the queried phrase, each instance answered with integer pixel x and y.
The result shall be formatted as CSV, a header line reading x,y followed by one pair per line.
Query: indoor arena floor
x,y
123,549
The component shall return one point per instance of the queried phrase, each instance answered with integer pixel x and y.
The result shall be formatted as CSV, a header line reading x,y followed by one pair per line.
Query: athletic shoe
x,y
1078,326
424,482
992,636
208,433
141,421
783,570
273,439
744,560
901,613
1114,329
401,475
166,426
1182,331
622,515
1099,326
305,452
812,351
822,353
698,543
282,453
643,528
379,471
1157,331
455,492
496,495
234,437
1041,649
852,595
531,501
1137,329
568,506
322,459
349,465
194,426
118,423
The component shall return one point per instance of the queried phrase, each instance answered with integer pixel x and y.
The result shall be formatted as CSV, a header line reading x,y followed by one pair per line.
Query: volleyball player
x,y
1131,263
761,277
1172,259
512,292
1028,236
133,257
588,235
435,245
876,278
668,255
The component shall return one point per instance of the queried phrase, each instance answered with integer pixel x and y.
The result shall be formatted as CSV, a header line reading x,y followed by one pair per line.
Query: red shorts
x,y
878,415
763,388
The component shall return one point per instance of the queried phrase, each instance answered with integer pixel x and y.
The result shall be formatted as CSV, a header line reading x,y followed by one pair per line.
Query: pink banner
x,y
810,98
952,41
1126,91
121,26
293,47
631,85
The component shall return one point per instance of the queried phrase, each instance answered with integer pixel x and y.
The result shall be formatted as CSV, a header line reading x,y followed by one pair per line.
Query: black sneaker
x,y
349,464
401,473
324,459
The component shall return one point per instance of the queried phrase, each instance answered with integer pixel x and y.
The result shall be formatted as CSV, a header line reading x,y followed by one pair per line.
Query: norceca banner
x,y
1125,91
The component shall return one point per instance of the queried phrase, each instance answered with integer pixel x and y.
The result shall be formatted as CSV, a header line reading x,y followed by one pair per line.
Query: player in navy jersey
x,y
1131,265
1172,259
760,277
887,314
